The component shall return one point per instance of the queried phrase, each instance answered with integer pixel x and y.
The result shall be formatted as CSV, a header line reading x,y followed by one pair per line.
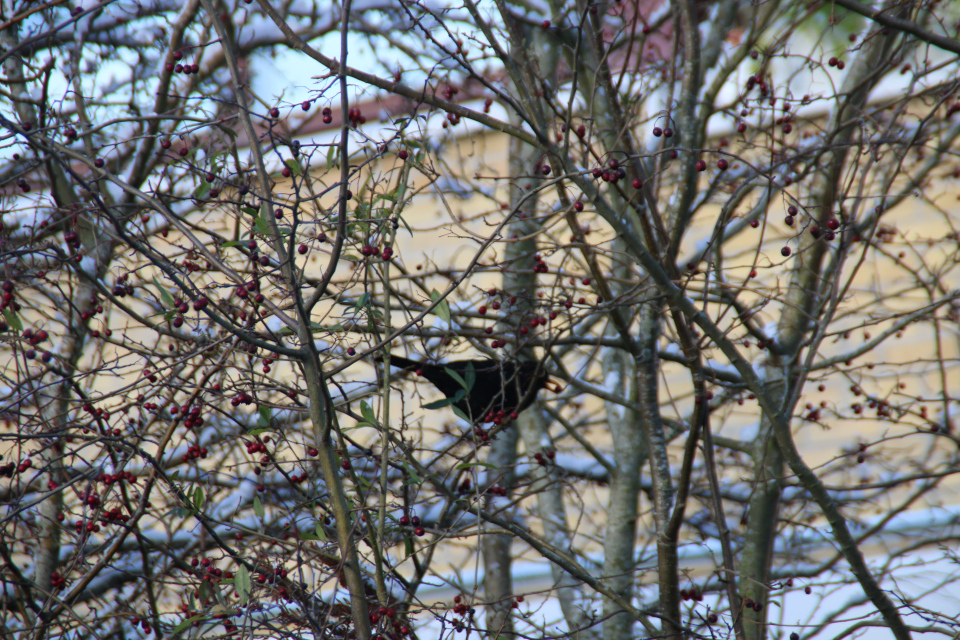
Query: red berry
x,y
701,165
286,172
785,252
741,127
722,164
657,131
351,351
545,24
637,183
305,106
578,206
275,112
302,249
403,154
419,531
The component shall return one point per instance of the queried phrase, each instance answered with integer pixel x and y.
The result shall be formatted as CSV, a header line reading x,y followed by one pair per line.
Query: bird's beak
x,y
554,385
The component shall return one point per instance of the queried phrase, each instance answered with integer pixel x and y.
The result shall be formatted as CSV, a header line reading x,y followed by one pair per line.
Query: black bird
x,y
493,387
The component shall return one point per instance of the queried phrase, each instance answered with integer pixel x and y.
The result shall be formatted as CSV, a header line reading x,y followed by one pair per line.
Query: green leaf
x,y
471,377
320,532
258,507
408,546
439,404
460,414
331,155
293,165
186,624
456,376
164,294
230,243
442,309
261,224
467,465
414,477
201,191
406,226
250,211
256,432
13,319
266,416
367,411
362,302
198,498
242,582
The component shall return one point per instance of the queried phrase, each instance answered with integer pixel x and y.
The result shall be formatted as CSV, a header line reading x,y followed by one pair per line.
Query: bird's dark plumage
x,y
497,385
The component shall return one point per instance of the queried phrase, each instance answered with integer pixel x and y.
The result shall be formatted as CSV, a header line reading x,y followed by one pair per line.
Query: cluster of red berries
x,y
758,81
539,266
9,469
327,114
121,288
543,459
500,417
72,238
487,104
194,453
114,516
406,521
691,594
834,62
461,608
356,117
241,398
111,478
57,581
497,490
6,300
453,119
614,174
255,447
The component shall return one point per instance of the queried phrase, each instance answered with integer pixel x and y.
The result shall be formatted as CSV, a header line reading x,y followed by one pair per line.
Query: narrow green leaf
x,y
186,624
362,301
242,582
230,243
164,294
265,417
13,319
321,534
456,376
198,498
414,478
408,546
470,378
466,465
367,411
250,211
439,404
460,414
406,226
258,507
201,191
442,309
